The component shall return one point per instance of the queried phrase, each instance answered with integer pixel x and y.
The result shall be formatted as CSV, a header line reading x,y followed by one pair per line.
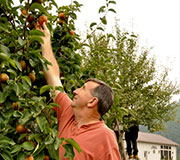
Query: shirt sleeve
x,y
65,106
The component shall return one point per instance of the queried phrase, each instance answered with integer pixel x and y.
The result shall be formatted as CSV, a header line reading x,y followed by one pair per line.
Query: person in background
x,y
131,136
80,118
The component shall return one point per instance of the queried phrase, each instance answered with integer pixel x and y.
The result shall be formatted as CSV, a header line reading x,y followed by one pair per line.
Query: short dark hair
x,y
105,95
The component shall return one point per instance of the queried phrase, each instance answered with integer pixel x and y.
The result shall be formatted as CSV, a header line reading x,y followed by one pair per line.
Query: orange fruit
x,y
38,1
15,106
30,158
32,76
23,64
42,19
30,18
24,12
71,32
62,16
61,21
20,128
4,77
46,157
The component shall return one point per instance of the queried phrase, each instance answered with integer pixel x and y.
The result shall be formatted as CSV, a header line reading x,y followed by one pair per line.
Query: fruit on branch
x,y
32,76
24,12
4,77
71,32
62,16
20,128
15,106
30,158
42,19
23,64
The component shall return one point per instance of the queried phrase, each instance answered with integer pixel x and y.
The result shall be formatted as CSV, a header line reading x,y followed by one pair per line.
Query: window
x,y
166,152
145,154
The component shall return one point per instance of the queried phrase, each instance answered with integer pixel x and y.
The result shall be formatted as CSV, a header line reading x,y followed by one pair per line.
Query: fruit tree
x,y
28,125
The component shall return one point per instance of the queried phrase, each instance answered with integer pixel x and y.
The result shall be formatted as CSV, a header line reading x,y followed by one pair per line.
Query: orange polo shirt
x,y
96,140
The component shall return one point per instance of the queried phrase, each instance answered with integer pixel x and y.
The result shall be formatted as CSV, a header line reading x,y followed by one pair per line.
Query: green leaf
x,y
36,38
73,15
49,140
69,153
60,88
16,89
4,49
36,32
45,88
54,154
6,155
3,27
21,156
38,149
113,2
54,104
74,144
27,79
4,139
17,114
33,136
3,97
112,10
110,35
58,142
92,24
27,146
26,116
12,71
39,7
100,28
42,123
21,41
18,65
15,148
103,20
102,9
12,63
4,56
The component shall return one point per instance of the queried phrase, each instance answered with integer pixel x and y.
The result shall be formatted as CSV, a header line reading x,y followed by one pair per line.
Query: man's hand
x,y
47,37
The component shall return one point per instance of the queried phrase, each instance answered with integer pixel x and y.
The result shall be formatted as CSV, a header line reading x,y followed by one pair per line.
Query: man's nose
x,y
75,91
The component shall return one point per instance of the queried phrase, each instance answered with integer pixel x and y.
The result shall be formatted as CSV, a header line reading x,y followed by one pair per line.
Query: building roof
x,y
155,138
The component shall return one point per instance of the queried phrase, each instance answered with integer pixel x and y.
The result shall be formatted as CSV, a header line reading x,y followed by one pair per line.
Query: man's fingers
x,y
44,26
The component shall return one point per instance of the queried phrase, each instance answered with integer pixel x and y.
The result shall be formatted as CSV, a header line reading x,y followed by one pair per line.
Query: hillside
x,y
172,131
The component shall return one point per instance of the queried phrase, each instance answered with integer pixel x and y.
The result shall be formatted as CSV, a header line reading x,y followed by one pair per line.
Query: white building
x,y
153,147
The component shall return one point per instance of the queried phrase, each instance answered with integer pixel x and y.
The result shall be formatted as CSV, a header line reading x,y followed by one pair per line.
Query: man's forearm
x,y
52,74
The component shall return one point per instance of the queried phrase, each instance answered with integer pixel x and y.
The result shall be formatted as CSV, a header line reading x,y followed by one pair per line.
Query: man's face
x,y
83,95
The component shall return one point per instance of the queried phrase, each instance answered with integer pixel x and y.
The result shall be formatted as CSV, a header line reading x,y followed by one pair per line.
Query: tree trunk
x,y
121,142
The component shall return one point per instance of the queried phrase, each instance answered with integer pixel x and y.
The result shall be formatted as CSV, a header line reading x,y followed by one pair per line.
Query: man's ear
x,y
93,102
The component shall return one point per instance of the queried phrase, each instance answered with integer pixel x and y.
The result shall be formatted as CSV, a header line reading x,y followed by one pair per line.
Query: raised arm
x,y
52,76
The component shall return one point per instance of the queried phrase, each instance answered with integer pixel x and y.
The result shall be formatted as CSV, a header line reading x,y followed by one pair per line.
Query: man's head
x,y
104,94
94,92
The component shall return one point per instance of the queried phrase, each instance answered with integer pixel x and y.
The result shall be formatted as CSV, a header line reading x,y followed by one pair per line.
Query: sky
x,y
157,22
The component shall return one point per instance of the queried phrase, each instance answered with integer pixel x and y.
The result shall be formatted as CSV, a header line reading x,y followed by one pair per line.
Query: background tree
x,y
140,90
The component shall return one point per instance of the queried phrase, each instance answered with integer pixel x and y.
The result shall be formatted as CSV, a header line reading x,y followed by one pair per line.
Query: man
x,y
80,118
